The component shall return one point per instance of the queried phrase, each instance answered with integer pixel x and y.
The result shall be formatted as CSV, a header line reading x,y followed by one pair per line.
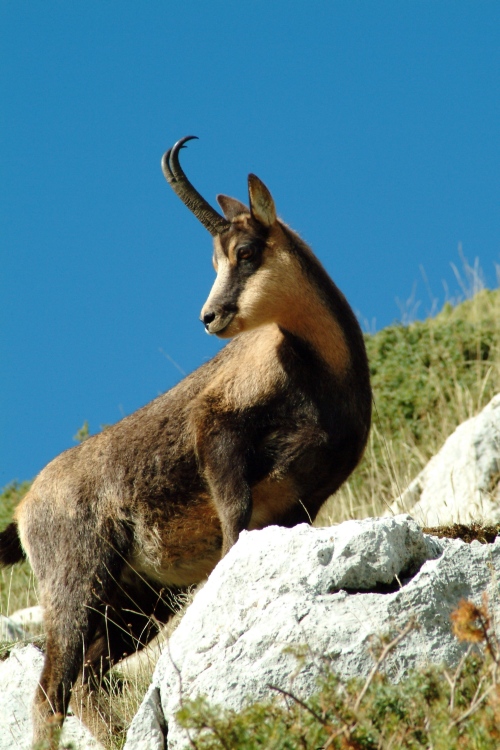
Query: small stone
x,y
10,631
325,555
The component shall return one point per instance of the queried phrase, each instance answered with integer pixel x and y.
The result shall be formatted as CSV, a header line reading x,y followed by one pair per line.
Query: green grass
x,y
9,498
17,584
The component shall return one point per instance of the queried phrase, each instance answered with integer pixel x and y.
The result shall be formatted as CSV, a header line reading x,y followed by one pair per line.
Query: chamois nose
x,y
208,318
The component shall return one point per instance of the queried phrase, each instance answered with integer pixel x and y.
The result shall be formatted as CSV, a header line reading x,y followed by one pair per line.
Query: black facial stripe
x,y
239,275
241,270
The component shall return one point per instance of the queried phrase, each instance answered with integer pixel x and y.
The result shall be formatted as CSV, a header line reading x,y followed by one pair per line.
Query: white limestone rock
x,y
19,675
148,729
20,625
29,619
330,589
10,631
461,483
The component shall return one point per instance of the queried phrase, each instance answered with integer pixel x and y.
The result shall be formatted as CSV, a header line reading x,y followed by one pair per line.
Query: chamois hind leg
x,y
69,630
130,620
77,566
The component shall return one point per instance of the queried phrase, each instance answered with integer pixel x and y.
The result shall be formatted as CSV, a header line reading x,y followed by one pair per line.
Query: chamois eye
x,y
246,252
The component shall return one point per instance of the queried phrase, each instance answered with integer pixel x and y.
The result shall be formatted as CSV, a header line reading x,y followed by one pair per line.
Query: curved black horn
x,y
209,217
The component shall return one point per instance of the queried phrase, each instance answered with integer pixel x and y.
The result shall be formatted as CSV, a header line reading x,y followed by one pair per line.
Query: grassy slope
x,y
17,586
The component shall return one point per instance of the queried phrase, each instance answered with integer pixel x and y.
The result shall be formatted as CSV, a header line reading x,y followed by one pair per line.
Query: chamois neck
x,y
316,311
310,319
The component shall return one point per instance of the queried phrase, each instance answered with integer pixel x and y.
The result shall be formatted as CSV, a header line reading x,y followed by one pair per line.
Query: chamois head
x,y
250,253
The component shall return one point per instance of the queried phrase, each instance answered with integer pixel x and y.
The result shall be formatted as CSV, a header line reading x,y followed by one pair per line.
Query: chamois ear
x,y
262,205
231,207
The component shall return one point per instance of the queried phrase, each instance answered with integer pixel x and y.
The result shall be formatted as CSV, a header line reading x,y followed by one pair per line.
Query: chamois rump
x,y
262,434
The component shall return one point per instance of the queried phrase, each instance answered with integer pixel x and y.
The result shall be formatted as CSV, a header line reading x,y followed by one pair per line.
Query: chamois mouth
x,y
220,324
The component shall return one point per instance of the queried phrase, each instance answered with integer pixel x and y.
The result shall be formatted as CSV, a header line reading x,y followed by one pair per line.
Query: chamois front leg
x,y
223,454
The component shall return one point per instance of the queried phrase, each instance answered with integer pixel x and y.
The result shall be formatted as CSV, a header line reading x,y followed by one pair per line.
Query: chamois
x,y
261,434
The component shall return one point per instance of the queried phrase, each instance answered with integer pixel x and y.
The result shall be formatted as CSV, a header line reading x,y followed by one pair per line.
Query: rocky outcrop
x,y
329,590
461,483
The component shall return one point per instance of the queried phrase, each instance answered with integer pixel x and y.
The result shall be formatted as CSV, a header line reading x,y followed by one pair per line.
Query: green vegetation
x,y
421,368
416,713
427,378
10,497
17,585
82,434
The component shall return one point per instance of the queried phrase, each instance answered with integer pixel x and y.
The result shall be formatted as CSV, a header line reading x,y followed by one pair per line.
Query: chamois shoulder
x,y
250,370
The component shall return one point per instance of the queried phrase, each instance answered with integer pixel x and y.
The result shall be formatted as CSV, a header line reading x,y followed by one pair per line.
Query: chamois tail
x,y
10,546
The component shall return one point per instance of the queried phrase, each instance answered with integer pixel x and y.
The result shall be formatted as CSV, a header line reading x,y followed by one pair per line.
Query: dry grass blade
x,y
473,707
383,656
299,702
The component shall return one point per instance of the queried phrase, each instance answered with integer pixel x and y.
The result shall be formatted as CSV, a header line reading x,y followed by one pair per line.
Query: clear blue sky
x,y
376,125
